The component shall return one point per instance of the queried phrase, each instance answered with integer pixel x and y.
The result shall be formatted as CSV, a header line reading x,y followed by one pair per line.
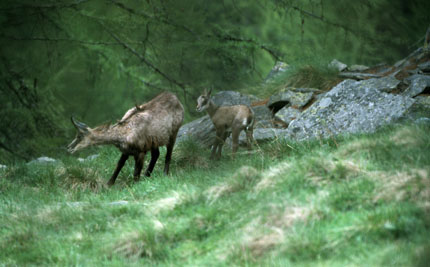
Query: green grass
x,y
360,200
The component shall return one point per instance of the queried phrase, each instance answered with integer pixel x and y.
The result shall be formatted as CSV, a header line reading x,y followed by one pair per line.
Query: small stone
x,y
358,68
336,64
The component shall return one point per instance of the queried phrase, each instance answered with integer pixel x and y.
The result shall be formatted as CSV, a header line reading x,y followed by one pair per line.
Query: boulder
x,y
260,135
385,84
336,64
201,130
263,117
350,107
231,98
288,114
355,68
291,97
358,75
424,67
417,84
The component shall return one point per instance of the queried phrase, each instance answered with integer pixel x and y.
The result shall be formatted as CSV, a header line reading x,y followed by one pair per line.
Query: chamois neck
x,y
212,108
107,136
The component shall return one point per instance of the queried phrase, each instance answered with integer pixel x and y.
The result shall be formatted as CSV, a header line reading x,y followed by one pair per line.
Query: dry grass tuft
x,y
133,246
167,203
334,169
269,176
413,185
358,146
260,238
83,179
242,179
407,136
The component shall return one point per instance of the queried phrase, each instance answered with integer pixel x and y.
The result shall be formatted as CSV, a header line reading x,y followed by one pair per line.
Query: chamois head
x,y
203,101
82,139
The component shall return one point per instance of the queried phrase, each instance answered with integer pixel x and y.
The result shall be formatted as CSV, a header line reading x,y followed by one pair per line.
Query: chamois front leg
x,y
138,165
218,142
118,168
155,153
224,137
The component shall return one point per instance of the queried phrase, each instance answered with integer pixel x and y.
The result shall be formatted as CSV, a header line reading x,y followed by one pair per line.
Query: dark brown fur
x,y
153,124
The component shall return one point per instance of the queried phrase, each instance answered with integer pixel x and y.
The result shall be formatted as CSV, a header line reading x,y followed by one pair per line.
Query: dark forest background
x,y
95,59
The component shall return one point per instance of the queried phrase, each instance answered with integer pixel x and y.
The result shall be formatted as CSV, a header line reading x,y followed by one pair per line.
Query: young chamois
x,y
143,128
227,119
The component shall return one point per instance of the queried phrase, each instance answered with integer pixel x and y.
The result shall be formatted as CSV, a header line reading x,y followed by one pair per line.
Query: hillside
x,y
357,200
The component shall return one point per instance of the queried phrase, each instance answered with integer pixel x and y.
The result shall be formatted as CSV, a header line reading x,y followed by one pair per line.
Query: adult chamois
x,y
143,128
227,119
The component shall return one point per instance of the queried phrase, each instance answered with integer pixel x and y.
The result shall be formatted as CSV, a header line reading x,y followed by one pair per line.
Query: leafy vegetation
x,y
353,200
95,59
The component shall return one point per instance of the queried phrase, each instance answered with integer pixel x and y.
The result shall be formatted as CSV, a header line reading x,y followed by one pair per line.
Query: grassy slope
x,y
359,200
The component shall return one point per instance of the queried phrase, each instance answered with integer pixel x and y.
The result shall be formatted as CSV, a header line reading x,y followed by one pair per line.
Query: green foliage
x,y
97,59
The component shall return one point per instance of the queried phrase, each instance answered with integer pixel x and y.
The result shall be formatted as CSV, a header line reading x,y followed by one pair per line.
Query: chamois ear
x,y
209,93
80,126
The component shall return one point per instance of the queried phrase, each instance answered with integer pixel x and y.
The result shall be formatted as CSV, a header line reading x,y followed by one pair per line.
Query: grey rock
x,y
417,84
263,117
355,68
288,114
425,67
231,98
354,107
89,158
261,135
43,160
266,123
201,130
358,75
336,64
290,97
423,101
384,84
422,120
277,69
2,166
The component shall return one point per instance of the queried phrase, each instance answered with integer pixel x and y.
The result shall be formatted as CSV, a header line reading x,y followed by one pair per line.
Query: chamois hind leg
x,y
155,153
169,146
118,168
138,165
249,138
217,143
235,139
224,137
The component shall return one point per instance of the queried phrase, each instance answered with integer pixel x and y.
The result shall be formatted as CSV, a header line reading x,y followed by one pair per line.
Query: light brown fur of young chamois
x,y
227,119
143,128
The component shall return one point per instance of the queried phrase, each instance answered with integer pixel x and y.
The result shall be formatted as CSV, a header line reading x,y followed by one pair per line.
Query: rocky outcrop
x,y
367,99
350,107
